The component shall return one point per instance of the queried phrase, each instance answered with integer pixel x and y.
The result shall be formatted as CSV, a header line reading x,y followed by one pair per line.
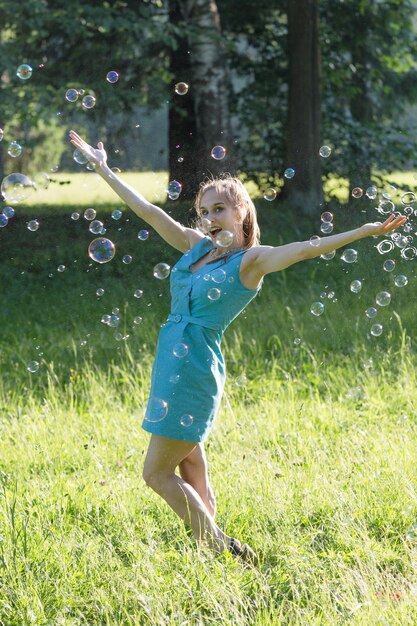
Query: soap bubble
x,y
383,298
357,192
355,286
75,216
317,308
186,420
289,172
72,95
114,320
138,293
95,227
400,241
407,253
15,149
408,198
386,206
161,271
385,246
137,320
127,259
401,280
214,294
224,239
270,194
89,214
328,256
116,214
174,189
218,153
371,192
326,228
157,409
241,381
326,216
41,180
16,188
24,71
180,350
143,234
218,275
79,157
1,134
101,250
88,101
3,220
371,312
349,256
181,89
32,367
297,341
33,225
325,151
389,265
8,211
106,319
205,225
112,76
100,292
376,330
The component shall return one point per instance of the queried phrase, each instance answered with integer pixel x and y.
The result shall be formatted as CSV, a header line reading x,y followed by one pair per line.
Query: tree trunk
x,y
304,191
208,87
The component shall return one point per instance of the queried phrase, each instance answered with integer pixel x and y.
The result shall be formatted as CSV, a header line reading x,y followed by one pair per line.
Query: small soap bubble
x,y
400,241
328,256
181,89
371,192
3,220
270,194
297,341
180,350
138,293
32,367
241,381
112,76
138,319
218,275
317,308
116,214
41,180
101,250
371,312
75,216
206,277
389,265
325,151
315,240
330,295
161,271
174,189
383,298
224,239
14,150
289,172
326,216
412,534
106,319
100,292
186,420
143,235
376,330
357,192
218,153
401,280
33,225
409,253
205,225
89,214
127,259
79,157
95,227
355,286
88,101
386,206
385,246
24,71
349,256
174,378
114,320
326,228
408,198
214,294
71,95
115,310
61,268
157,409
1,134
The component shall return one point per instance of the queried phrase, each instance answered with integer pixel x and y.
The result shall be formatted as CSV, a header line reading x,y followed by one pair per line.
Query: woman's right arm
x,y
174,233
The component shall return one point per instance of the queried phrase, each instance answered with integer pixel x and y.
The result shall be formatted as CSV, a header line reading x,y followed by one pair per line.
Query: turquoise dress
x,y
188,373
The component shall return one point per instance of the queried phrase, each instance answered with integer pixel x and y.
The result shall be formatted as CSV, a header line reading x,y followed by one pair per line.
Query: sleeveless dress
x,y
188,372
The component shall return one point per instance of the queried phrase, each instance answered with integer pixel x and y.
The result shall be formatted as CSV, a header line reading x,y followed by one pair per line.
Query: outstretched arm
x,y
174,233
268,259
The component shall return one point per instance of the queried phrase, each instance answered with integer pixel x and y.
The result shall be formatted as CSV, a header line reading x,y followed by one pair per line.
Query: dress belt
x,y
177,318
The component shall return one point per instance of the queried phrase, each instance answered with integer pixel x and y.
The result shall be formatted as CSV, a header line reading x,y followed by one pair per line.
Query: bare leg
x,y
163,457
193,469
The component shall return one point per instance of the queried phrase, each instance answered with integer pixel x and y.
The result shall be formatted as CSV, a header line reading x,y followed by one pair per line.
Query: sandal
x,y
244,551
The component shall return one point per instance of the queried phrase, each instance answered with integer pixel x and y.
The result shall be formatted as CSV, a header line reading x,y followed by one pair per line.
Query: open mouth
x,y
214,232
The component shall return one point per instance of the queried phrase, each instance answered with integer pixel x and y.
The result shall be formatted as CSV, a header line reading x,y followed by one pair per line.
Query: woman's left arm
x,y
272,259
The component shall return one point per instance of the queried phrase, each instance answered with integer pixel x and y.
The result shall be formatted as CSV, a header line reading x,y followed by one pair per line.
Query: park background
x,y
313,453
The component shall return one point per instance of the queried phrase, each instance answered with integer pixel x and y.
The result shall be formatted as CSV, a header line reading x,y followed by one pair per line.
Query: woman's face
x,y
222,215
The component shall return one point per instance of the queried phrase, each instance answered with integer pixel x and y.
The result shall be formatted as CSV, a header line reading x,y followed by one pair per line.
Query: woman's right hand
x,y
97,155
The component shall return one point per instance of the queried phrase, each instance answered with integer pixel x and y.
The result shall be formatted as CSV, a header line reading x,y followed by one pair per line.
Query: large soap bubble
x,y
16,188
101,250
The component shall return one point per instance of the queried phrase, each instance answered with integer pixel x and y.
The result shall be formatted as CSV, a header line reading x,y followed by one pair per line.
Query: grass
x,y
312,459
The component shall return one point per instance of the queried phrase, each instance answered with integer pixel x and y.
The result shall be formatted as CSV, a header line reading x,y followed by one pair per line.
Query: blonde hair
x,y
236,194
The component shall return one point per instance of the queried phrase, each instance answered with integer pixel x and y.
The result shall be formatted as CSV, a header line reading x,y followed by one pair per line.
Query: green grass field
x,y
312,459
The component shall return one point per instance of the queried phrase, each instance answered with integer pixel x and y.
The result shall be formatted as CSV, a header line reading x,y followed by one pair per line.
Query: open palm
x,y
377,228
97,155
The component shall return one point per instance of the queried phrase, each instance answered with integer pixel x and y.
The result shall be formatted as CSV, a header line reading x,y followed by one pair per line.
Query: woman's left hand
x,y
375,229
